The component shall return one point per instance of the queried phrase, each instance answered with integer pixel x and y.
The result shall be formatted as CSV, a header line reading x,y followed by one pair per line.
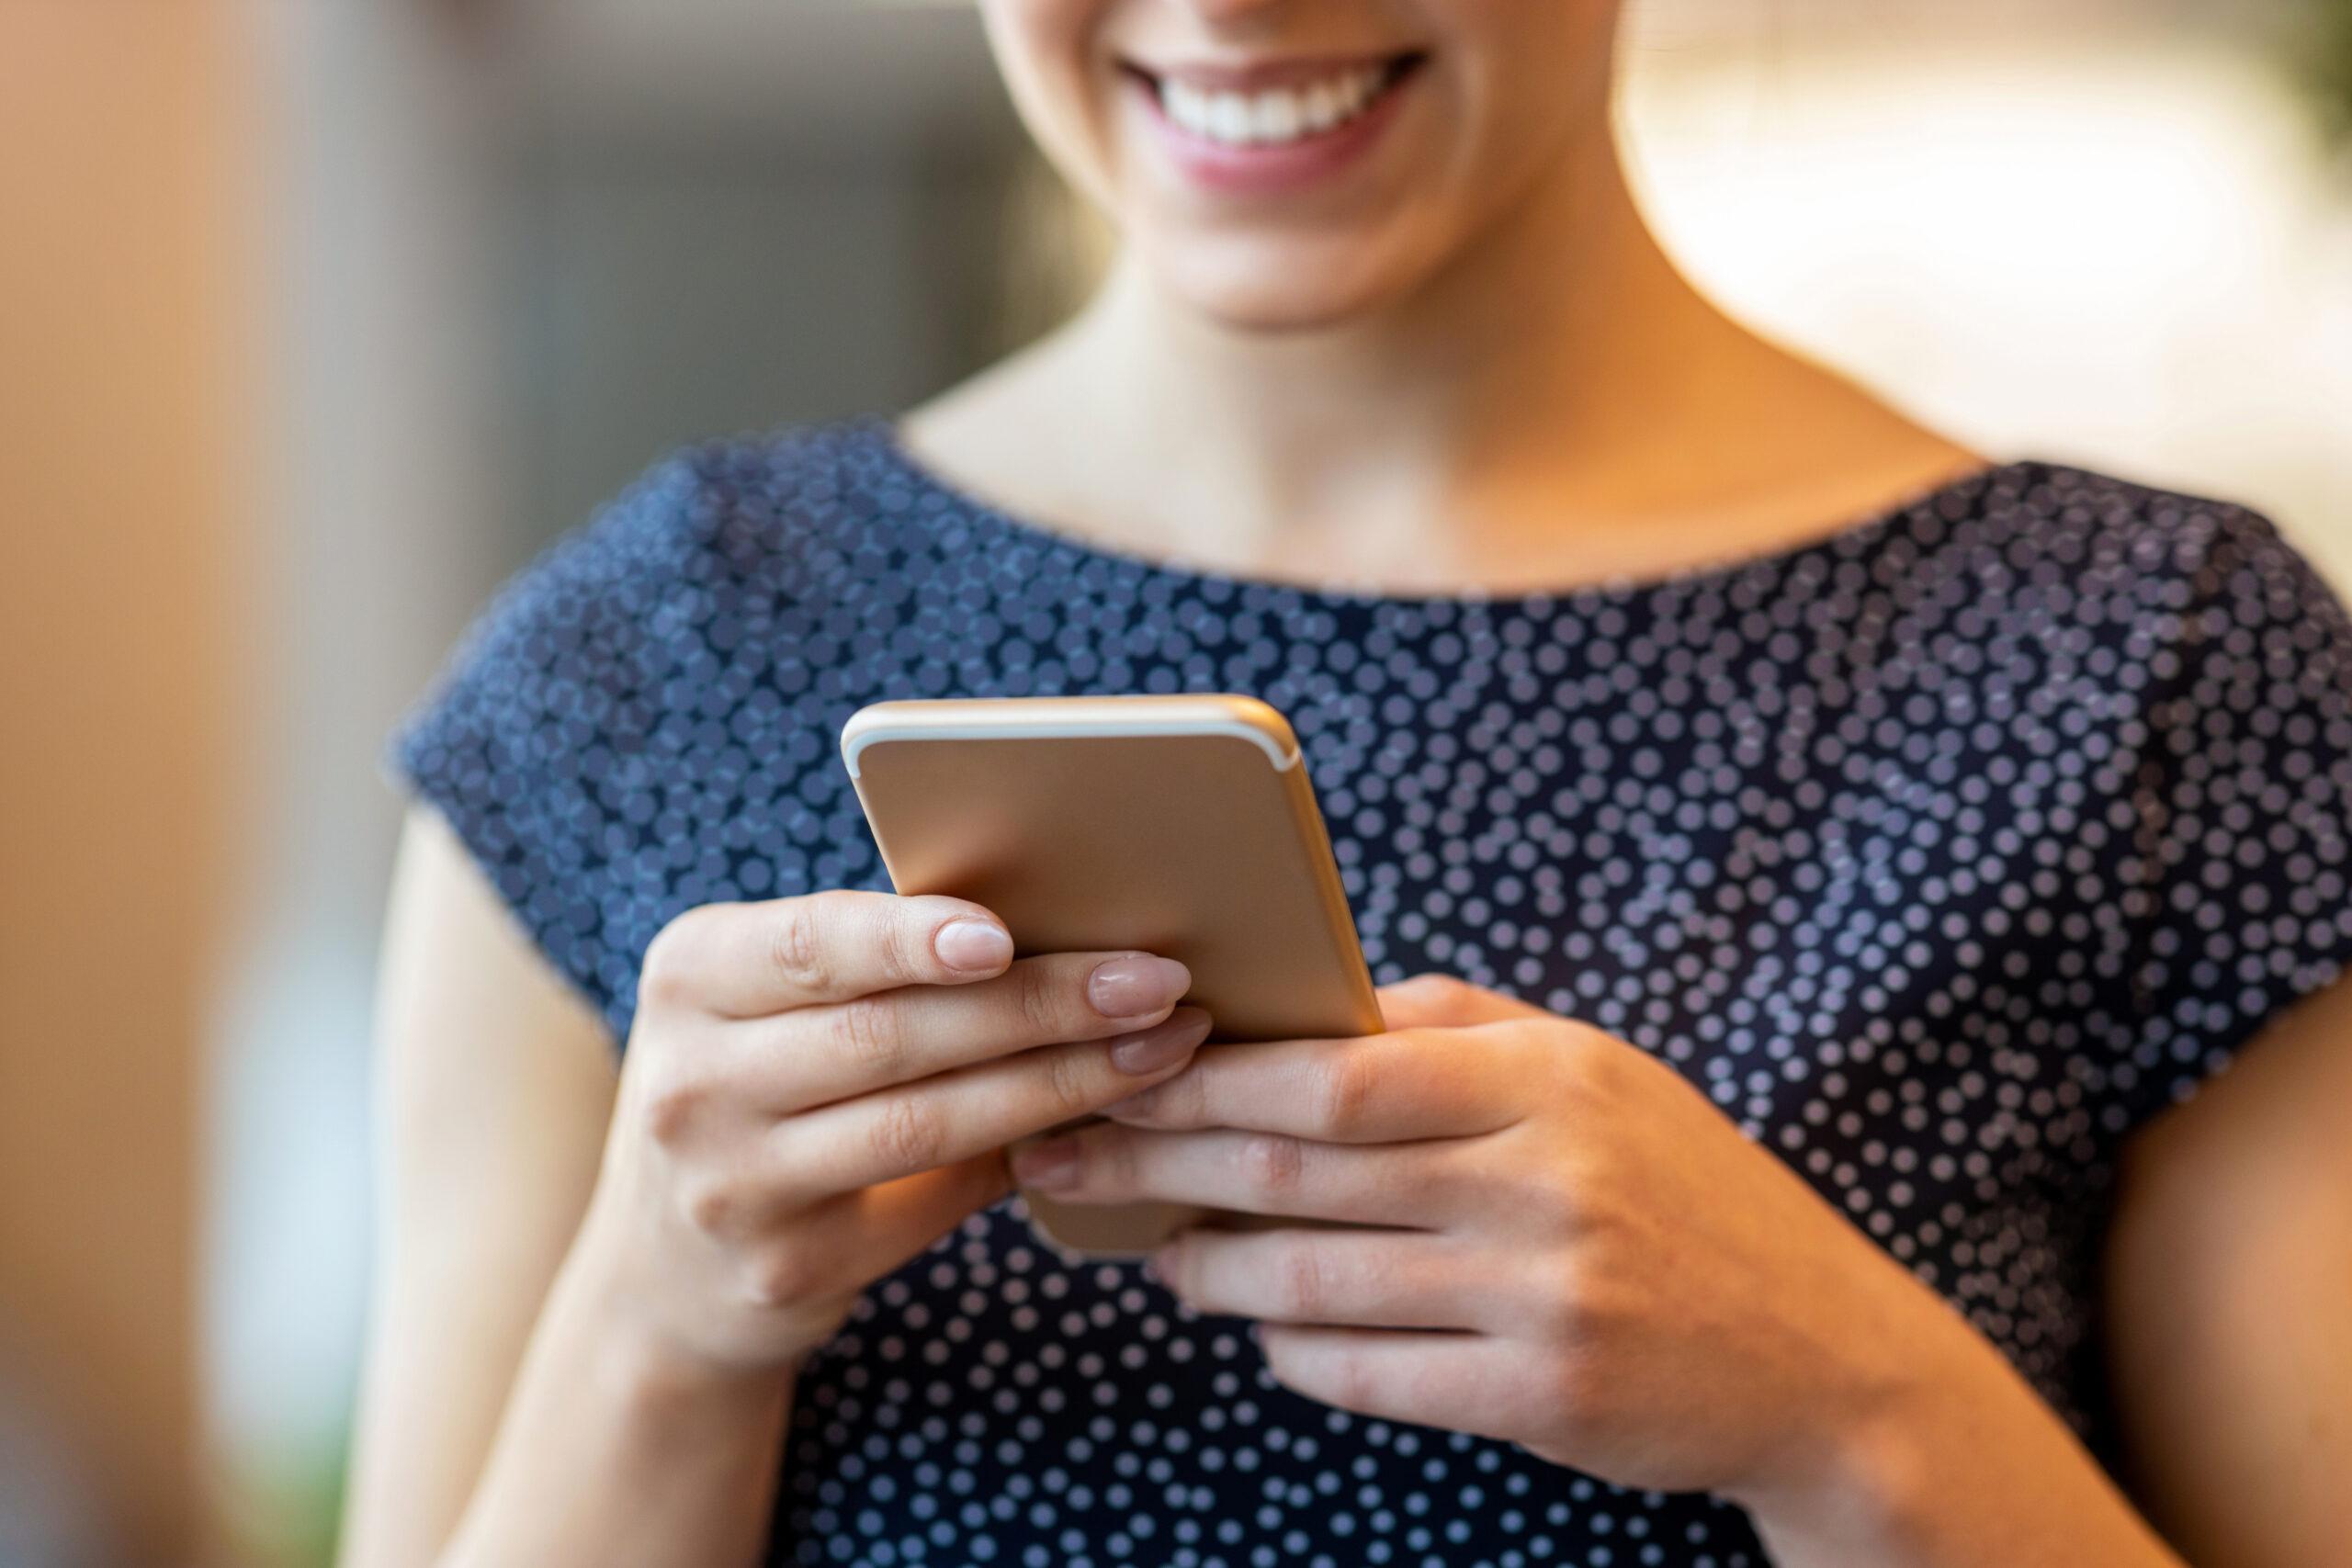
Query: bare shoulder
x,y
2226,1277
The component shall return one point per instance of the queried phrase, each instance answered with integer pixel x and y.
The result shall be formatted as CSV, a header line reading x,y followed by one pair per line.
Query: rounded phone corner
x,y
1264,721
873,722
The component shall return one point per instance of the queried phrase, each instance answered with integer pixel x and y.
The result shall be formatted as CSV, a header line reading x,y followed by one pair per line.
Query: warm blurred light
x,y
2121,251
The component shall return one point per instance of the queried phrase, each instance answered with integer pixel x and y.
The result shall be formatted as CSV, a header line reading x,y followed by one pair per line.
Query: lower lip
x,y
1284,168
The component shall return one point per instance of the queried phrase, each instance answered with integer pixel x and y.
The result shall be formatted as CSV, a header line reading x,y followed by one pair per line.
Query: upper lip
x,y
1236,76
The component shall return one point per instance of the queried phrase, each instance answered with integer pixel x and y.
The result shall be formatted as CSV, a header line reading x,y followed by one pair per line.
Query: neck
x,y
1559,404
1566,343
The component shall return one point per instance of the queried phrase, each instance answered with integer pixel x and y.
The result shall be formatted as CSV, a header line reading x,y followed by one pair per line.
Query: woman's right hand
x,y
817,1088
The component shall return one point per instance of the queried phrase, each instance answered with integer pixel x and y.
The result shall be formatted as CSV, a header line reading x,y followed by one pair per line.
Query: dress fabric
x,y
1942,853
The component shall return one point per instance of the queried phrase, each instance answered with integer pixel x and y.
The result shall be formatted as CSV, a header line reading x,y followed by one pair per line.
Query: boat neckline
x,y
884,433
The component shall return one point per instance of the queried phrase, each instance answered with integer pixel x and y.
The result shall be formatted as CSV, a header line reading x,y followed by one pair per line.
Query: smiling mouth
x,y
1299,108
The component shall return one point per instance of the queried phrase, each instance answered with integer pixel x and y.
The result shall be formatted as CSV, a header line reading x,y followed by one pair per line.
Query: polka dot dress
x,y
1941,853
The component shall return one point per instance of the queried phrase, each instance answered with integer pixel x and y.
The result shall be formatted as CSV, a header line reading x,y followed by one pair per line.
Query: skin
x,y
816,1089
1500,381
1572,1249
1466,363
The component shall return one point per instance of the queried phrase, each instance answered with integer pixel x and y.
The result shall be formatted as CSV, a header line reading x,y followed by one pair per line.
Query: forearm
x,y
612,1453
1961,1466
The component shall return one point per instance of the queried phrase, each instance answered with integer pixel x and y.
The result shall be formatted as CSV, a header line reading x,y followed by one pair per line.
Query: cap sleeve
x,y
537,741
2243,806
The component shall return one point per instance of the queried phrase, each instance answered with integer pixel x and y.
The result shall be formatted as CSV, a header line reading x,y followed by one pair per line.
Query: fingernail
x,y
1136,985
1162,1047
1050,1165
968,944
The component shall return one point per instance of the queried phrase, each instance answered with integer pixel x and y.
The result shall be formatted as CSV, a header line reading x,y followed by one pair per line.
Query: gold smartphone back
x,y
1180,825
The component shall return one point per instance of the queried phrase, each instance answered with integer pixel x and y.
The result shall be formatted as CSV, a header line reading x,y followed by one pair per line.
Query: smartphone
x,y
1180,825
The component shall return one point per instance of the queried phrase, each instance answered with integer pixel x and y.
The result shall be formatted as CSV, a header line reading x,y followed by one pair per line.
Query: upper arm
x,y
495,1084
2229,1279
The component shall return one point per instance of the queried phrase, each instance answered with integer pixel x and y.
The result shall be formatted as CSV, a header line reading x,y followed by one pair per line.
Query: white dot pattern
x,y
1941,853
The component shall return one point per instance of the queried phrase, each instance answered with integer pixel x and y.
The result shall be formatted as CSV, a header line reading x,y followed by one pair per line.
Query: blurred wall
x,y
2103,232
120,553
516,253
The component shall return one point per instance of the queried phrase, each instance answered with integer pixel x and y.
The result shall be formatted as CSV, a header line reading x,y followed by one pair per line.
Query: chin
x,y
1273,285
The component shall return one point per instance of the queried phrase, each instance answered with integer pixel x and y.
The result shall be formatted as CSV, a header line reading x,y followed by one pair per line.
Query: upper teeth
x,y
1273,114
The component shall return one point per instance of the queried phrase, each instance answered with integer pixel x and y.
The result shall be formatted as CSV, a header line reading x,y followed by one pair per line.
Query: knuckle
x,y
1181,1103
870,1030
1114,1165
1134,1163
1594,1063
1570,1378
1561,1209
905,943
1594,1205
1302,1282
662,978
1568,1303
713,1208
1441,989
1526,1054
1070,1084
1584,1325
1586,1194
1037,996
908,1135
1348,1380
1272,1164
795,945
1343,1090
673,1103
782,1278
1553,1197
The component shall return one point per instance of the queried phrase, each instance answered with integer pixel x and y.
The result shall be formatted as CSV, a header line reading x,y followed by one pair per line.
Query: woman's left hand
x,y
1571,1249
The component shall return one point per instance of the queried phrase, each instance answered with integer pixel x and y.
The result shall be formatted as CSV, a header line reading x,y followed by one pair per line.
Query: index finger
x,y
1404,1085
750,960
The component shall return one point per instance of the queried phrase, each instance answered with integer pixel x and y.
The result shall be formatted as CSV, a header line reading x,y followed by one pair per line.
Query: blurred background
x,y
318,316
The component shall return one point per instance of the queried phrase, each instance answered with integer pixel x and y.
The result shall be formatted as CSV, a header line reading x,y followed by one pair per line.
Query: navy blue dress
x,y
1942,853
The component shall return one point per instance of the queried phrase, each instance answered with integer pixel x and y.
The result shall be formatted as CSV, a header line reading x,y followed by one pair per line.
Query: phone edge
x,y
1228,714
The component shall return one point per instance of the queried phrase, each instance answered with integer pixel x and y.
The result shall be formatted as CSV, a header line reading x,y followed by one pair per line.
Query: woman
x,y
1827,854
